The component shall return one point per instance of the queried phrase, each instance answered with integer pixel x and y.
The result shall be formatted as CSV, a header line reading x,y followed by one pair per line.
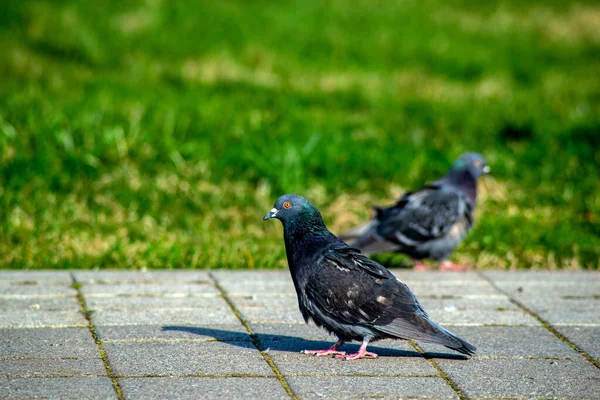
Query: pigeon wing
x,y
424,215
367,238
354,289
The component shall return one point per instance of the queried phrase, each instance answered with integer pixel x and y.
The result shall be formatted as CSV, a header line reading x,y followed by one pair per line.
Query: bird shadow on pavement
x,y
295,344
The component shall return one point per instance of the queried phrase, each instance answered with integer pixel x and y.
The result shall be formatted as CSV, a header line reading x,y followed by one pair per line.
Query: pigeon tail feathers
x,y
421,328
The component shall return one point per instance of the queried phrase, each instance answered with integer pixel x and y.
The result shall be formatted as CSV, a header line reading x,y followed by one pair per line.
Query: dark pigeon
x,y
347,293
430,222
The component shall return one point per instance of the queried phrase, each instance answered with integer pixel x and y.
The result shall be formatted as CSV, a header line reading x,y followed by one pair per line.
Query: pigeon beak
x,y
486,170
271,214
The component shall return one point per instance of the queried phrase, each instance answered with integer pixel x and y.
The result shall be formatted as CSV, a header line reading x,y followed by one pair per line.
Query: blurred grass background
x,y
157,133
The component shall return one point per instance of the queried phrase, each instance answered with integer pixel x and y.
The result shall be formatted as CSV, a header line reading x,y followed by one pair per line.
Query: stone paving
x,y
238,334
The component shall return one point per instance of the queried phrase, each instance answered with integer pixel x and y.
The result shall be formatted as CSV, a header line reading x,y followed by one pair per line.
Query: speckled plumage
x,y
345,292
427,223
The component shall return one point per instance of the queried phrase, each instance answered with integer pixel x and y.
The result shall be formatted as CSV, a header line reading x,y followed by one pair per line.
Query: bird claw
x,y
450,266
444,266
357,356
420,267
322,353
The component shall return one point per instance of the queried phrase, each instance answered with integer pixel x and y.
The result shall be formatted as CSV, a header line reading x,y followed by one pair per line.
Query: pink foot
x,y
362,352
359,355
321,353
450,266
420,267
332,351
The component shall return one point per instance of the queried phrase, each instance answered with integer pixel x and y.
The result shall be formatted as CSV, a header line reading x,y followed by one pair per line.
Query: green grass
x,y
157,133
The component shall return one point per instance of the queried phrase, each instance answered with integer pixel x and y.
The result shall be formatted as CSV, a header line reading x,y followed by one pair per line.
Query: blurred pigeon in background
x,y
347,293
428,223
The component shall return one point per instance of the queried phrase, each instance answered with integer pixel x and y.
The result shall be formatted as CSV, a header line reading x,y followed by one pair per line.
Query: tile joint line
x,y
440,371
254,338
542,321
88,316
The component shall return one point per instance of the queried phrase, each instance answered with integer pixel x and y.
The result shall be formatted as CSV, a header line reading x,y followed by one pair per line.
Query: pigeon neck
x,y
303,245
309,223
303,234
464,180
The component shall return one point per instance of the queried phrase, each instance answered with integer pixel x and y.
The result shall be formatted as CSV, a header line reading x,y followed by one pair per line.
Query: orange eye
x,y
478,164
287,204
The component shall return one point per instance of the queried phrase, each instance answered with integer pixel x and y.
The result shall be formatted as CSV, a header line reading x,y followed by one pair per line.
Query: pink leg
x,y
419,266
450,266
329,352
362,352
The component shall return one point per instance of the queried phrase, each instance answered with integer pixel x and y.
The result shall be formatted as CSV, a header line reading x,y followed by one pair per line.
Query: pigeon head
x,y
289,207
296,214
472,164
464,173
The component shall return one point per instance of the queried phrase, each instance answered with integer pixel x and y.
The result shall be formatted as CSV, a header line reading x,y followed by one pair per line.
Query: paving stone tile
x,y
289,302
183,358
167,290
26,278
392,361
274,288
535,288
317,387
202,388
542,276
40,304
149,276
71,388
566,310
38,290
514,377
268,310
271,316
164,316
423,289
223,333
49,349
237,283
81,334
151,302
553,303
510,341
35,319
558,318
240,275
51,368
586,338
408,275
480,311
